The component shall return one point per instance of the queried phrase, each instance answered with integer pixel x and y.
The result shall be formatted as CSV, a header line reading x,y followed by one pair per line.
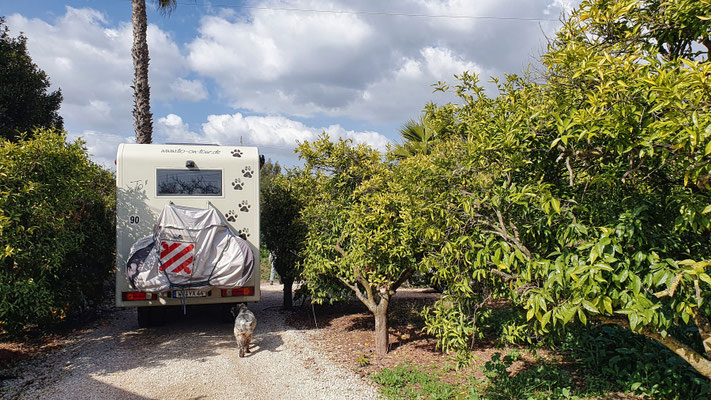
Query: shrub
x,y
582,195
56,229
636,364
537,381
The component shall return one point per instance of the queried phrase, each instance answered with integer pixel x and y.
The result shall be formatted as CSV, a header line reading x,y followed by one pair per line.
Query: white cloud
x,y
188,90
172,129
102,146
282,65
443,62
90,60
276,136
408,88
556,5
367,67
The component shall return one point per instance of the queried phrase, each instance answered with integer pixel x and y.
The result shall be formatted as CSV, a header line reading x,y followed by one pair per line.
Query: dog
x,y
245,322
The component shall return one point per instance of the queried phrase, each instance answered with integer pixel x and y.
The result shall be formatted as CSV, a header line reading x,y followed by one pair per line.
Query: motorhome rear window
x,y
180,182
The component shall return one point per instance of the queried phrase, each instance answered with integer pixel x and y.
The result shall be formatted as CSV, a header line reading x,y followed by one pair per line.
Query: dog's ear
x,y
234,310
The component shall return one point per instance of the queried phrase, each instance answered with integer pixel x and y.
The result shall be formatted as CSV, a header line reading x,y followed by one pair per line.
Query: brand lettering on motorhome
x,y
190,151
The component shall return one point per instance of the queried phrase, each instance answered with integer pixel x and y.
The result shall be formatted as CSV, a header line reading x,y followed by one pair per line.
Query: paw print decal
x,y
238,184
236,153
244,206
231,216
247,172
243,233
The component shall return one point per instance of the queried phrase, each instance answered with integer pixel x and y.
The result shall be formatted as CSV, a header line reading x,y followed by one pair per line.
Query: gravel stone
x,y
191,357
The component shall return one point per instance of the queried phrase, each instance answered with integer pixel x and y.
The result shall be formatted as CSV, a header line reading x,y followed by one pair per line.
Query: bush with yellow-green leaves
x,y
582,195
57,230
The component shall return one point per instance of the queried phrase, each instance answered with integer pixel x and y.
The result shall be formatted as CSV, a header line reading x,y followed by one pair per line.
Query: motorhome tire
x,y
150,316
144,317
226,313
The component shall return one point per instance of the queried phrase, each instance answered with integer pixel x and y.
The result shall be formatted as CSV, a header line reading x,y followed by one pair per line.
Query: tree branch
x,y
486,298
369,302
509,277
404,275
672,288
517,243
706,41
504,275
704,330
696,360
356,273
338,247
501,222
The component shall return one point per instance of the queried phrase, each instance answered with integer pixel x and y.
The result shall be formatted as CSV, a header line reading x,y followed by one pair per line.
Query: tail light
x,y
135,296
243,291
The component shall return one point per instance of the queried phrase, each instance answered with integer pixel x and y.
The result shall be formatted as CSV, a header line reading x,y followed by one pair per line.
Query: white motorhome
x,y
151,176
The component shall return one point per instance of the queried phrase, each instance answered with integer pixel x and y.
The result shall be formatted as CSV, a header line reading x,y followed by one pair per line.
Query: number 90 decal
x,y
134,219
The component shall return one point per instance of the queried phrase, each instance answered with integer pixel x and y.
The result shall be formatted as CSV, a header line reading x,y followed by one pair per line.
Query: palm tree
x,y
417,137
142,117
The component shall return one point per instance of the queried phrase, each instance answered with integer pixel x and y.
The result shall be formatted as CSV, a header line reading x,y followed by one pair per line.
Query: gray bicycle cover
x,y
190,248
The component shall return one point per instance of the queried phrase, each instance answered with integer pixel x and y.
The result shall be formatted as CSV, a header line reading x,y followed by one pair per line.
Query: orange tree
x,y
57,231
360,231
582,195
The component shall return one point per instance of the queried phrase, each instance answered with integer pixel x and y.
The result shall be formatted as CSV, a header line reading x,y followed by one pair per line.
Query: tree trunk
x,y
697,361
381,328
700,363
142,117
288,301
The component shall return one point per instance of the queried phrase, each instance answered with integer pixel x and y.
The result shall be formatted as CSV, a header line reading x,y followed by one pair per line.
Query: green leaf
x,y
544,319
624,275
589,306
607,303
568,314
634,320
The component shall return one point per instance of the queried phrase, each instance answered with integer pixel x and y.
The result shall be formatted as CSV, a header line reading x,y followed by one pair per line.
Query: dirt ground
x,y
341,334
34,344
345,333
192,356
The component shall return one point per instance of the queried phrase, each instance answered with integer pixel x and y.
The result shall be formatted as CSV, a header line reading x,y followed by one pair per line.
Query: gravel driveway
x,y
191,357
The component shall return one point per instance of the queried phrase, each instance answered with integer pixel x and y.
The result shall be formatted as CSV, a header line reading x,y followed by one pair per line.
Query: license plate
x,y
178,294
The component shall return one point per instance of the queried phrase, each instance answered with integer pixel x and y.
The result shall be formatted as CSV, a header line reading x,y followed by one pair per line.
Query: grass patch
x,y
409,382
586,362
532,381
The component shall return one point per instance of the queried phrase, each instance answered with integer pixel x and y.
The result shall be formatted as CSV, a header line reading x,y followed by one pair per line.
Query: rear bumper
x,y
165,299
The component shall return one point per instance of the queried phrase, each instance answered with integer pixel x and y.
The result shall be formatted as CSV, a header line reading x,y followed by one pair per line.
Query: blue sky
x,y
270,73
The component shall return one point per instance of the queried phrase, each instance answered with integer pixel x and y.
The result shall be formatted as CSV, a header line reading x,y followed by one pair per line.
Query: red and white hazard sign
x,y
177,257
